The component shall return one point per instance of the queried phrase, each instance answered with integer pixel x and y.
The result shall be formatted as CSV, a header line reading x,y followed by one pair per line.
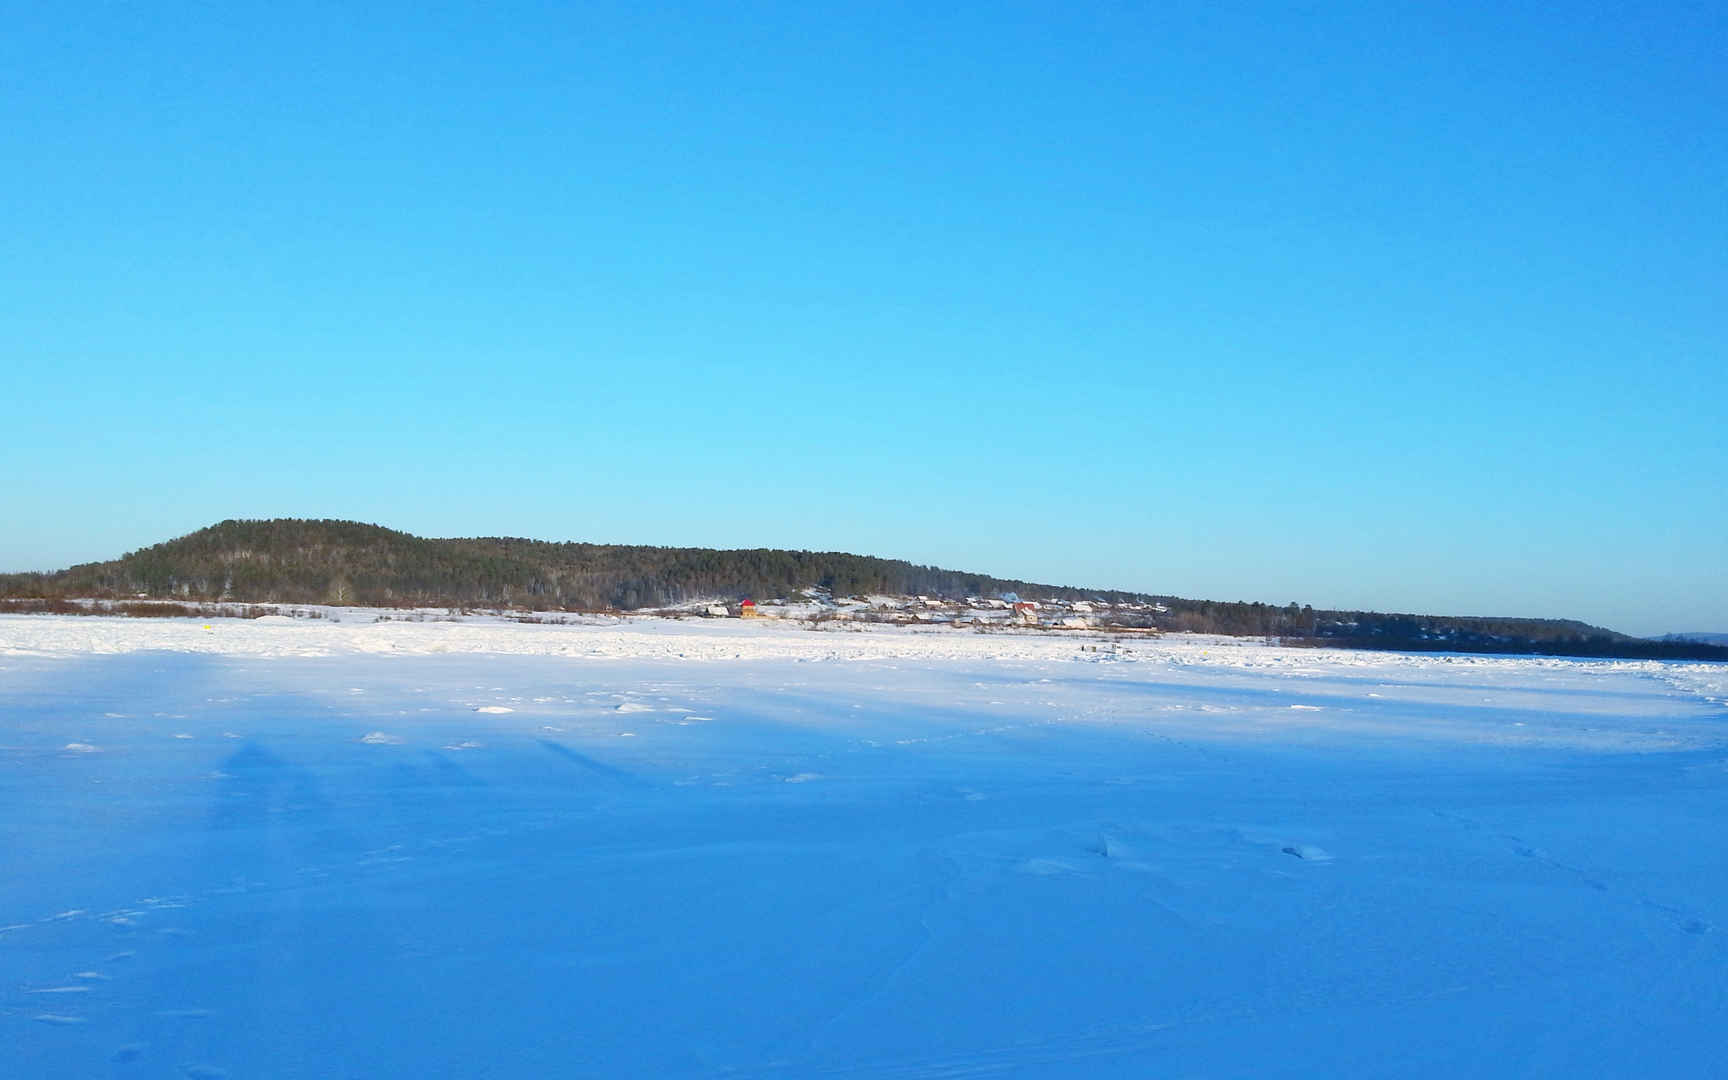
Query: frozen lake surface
x,y
655,848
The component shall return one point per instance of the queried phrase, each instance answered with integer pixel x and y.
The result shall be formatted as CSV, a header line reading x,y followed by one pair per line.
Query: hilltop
x,y
289,560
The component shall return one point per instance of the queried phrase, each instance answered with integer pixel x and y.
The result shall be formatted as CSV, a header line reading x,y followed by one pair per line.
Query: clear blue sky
x,y
1353,305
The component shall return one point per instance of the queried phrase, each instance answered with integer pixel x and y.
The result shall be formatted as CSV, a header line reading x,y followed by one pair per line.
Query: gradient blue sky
x,y
1349,304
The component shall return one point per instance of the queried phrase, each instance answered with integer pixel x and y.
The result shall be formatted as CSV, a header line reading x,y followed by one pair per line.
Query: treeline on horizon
x,y
297,561
1302,625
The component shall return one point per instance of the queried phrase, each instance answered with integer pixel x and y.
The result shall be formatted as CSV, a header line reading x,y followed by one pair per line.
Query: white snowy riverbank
x,y
692,848
360,631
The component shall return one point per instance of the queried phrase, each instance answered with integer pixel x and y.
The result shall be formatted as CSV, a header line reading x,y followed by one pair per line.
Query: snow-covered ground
x,y
714,848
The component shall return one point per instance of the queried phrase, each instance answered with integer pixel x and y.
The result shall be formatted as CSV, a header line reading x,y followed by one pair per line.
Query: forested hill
x,y
296,561
299,561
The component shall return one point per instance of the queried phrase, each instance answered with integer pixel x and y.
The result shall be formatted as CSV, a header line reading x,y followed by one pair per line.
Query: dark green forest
x,y
295,561
346,562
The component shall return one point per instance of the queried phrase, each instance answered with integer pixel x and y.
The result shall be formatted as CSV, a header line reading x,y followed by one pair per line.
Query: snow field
x,y
687,850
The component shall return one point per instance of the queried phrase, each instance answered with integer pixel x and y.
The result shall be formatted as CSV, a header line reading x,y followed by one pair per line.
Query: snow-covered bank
x,y
1301,672
363,631
718,849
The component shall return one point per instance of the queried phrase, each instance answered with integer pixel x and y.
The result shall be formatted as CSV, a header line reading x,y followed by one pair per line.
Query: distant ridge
x,y
1696,638
292,560
306,561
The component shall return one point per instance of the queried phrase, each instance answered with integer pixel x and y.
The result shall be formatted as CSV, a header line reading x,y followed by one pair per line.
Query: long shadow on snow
x,y
451,774
257,785
591,765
